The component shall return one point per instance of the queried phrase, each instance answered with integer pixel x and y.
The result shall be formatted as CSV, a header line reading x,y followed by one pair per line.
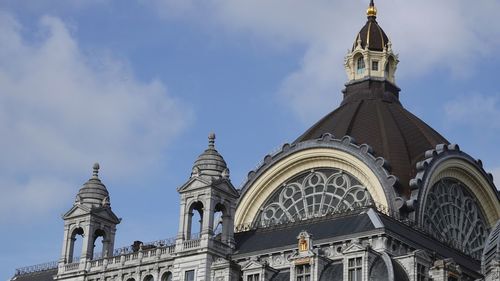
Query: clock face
x,y
313,194
453,216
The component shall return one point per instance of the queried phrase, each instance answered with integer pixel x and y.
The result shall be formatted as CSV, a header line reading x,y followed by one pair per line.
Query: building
x,y
370,192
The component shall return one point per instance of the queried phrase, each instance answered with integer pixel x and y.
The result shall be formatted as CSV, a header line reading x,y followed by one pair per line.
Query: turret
x,y
371,56
210,195
90,218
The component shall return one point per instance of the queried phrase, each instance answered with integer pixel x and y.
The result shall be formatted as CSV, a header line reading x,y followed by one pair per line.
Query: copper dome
x,y
371,36
371,113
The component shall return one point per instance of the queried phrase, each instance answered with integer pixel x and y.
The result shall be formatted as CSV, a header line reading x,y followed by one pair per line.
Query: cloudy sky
x,y
138,85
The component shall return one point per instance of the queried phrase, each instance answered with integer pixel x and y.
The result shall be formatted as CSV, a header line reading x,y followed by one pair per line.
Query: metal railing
x,y
36,268
341,211
98,258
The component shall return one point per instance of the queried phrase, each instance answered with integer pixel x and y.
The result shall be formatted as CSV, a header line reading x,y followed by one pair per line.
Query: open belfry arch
x,y
369,192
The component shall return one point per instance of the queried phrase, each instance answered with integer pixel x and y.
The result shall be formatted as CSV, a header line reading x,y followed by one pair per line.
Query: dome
x,y
93,192
371,113
371,35
210,162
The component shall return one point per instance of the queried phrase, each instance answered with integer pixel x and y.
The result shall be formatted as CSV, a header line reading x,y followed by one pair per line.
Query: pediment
x,y
253,264
194,183
104,213
200,182
76,211
354,247
227,187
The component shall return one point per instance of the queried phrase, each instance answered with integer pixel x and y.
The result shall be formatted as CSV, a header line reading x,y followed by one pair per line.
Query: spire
x,y
372,10
211,140
95,173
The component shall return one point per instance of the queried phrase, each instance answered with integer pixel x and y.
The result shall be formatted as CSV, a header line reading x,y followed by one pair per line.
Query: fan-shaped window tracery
x,y
314,194
452,215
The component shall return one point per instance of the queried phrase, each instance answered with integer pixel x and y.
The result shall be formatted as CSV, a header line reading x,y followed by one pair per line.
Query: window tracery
x,y
452,215
314,194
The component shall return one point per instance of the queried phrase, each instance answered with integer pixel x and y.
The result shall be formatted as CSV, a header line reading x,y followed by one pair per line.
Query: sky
x,y
138,85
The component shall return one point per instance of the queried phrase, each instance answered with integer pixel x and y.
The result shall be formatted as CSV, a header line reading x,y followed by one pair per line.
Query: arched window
x,y
148,277
98,249
389,72
314,194
218,226
75,243
452,214
167,276
360,65
195,220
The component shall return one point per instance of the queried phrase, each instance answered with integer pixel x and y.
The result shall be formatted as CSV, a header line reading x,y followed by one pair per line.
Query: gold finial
x,y
372,10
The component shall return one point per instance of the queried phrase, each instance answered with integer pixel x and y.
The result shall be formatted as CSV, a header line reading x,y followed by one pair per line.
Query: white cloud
x,y
450,35
61,110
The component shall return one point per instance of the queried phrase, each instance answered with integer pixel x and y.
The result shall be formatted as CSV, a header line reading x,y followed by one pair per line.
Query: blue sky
x,y
138,85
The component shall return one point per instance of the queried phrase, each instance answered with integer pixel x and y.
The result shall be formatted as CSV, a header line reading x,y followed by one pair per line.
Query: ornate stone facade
x,y
325,207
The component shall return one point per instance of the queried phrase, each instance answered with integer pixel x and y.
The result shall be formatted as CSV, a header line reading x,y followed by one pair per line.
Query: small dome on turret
x,y
371,55
371,35
210,162
93,193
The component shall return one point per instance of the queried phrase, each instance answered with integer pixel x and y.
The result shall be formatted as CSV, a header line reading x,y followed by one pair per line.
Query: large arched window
x,y
148,277
314,194
452,215
360,65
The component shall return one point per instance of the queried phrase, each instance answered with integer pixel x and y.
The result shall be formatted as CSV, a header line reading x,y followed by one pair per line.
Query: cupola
x,y
210,163
371,55
93,193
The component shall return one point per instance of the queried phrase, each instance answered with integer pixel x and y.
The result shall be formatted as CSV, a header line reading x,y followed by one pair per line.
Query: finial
x,y
211,140
95,174
372,10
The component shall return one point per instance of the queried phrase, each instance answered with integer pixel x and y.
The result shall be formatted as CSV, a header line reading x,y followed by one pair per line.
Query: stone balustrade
x,y
123,257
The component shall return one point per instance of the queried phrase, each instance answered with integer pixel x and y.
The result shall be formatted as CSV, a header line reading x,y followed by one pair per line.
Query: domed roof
x,y
93,192
371,35
210,162
371,113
